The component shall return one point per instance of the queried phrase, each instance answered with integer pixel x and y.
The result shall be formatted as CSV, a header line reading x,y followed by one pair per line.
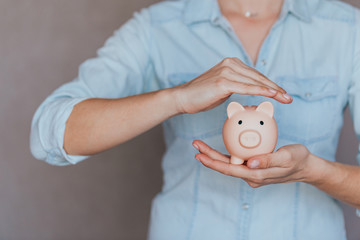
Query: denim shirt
x,y
312,51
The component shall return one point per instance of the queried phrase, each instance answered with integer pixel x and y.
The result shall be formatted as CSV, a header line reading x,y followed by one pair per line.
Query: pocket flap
x,y
181,78
309,89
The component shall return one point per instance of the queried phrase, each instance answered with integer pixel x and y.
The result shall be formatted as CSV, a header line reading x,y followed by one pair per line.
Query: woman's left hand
x,y
290,163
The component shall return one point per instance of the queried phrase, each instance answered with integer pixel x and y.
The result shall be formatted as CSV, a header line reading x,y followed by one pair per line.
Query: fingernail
x,y
196,146
273,91
254,164
197,158
287,96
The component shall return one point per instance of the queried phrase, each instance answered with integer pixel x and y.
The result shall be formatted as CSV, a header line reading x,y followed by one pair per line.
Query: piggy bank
x,y
249,131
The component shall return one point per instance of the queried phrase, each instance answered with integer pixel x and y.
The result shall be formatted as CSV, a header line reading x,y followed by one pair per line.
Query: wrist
x,y
176,95
169,97
314,170
318,171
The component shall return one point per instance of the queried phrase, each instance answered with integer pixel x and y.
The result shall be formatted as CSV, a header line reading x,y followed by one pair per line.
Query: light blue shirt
x,y
312,51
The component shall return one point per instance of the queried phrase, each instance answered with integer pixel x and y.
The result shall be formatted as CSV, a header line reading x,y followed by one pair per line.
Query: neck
x,y
262,8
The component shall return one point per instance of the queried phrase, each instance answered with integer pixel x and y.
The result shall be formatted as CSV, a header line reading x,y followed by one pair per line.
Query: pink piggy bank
x,y
249,131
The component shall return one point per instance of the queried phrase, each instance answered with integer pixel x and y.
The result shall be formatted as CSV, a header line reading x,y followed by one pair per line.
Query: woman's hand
x,y
217,84
288,164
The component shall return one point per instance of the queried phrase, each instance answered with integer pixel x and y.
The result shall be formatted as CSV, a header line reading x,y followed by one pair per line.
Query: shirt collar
x,y
200,10
208,10
298,8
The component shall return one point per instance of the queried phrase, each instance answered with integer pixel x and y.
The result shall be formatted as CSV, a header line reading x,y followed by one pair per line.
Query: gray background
x,y
42,43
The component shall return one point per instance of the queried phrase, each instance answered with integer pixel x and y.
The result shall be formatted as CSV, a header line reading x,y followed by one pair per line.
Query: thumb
x,y
261,161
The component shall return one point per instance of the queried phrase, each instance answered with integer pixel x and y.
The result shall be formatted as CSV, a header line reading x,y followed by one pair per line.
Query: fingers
x,y
230,73
278,167
249,89
212,153
241,68
237,73
235,70
254,177
256,75
224,168
236,77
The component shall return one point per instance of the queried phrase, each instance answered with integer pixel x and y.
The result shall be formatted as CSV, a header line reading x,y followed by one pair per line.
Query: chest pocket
x,y
198,125
310,117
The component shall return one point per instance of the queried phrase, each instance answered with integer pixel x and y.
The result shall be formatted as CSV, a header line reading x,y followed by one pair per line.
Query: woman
x,y
181,63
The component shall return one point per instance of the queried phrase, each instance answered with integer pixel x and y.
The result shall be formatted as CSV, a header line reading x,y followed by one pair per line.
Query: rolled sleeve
x,y
354,92
122,68
47,133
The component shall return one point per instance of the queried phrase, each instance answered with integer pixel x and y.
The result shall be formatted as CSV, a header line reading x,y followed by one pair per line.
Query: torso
x,y
309,62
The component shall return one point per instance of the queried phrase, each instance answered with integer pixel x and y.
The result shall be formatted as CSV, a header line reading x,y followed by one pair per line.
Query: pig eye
x,y
240,122
261,122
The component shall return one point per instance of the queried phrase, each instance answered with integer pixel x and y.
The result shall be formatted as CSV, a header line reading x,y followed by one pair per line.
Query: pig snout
x,y
250,139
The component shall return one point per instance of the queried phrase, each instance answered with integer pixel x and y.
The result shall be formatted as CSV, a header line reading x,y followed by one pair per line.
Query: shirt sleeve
x,y
122,68
354,91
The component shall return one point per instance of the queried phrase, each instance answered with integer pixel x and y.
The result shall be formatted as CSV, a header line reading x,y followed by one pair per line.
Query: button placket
x,y
246,200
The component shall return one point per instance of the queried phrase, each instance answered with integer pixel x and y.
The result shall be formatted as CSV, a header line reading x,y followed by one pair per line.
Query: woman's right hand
x,y
213,87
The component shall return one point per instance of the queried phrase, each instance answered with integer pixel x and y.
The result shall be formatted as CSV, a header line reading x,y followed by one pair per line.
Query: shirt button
x,y
308,94
263,62
245,206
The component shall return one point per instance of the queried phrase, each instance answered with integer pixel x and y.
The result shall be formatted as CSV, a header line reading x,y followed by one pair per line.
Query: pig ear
x,y
234,107
266,107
